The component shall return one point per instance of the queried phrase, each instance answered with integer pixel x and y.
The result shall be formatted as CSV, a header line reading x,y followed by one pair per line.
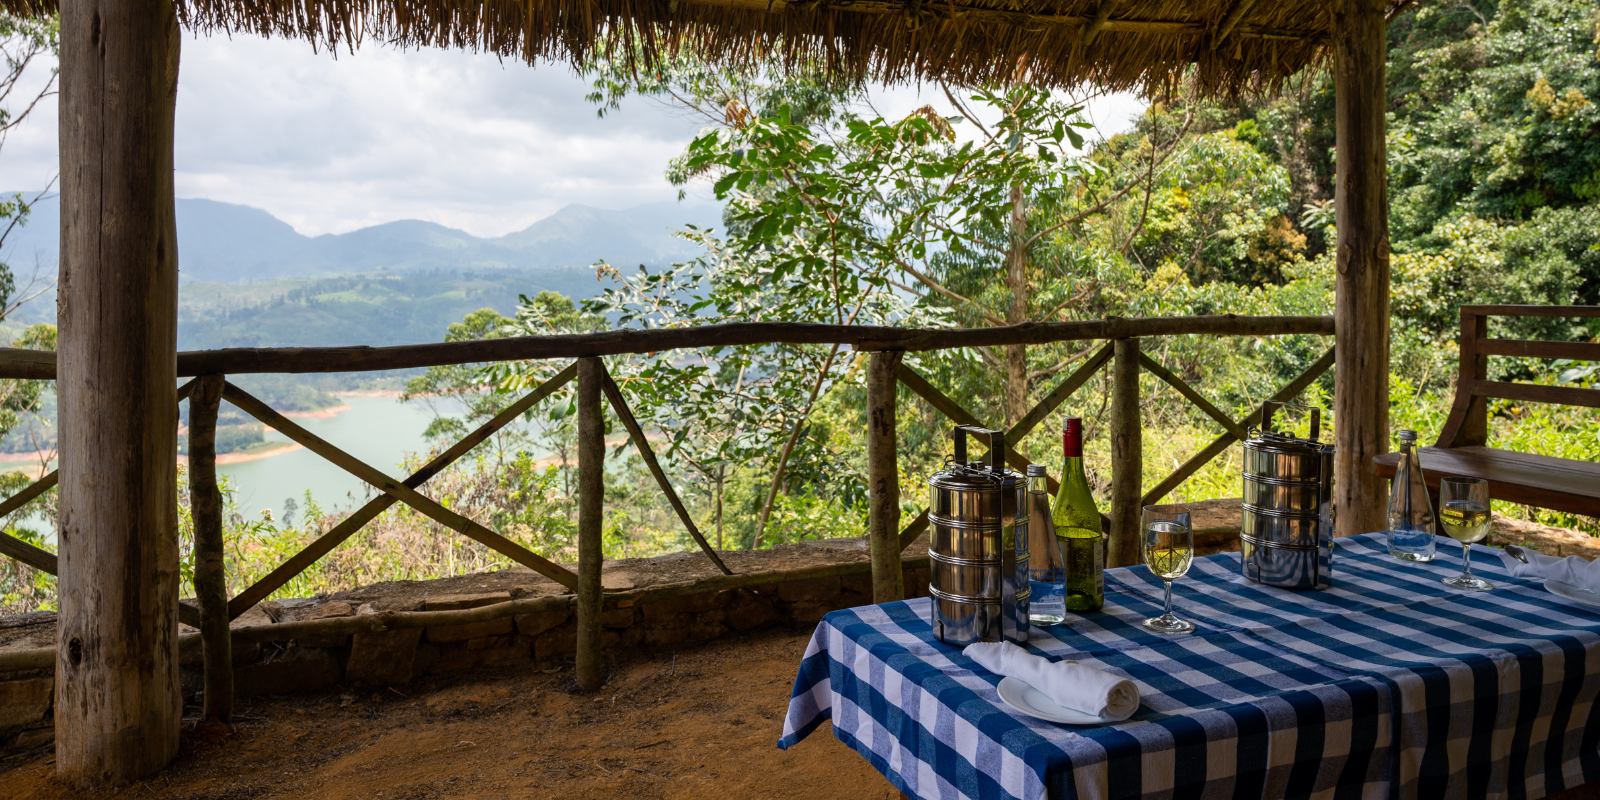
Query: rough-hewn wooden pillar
x,y
883,477
1361,309
1127,456
118,705
591,485
210,570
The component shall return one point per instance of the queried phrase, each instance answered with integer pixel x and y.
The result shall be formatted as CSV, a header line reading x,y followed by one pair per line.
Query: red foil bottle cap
x,y
1072,437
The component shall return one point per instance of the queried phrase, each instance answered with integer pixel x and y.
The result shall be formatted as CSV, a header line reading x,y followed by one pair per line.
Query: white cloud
x,y
331,143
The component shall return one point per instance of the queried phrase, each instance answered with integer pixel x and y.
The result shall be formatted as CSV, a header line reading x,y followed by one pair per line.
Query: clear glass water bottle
x,y
1045,569
1410,508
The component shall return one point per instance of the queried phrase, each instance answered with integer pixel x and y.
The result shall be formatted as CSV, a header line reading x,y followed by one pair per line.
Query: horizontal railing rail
x,y
885,372
41,365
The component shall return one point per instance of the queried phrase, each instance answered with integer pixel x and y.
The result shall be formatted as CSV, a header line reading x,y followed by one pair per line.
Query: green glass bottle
x,y
1077,524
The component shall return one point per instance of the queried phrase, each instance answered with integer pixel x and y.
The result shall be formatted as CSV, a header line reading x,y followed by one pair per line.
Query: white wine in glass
x,y
1168,543
1464,514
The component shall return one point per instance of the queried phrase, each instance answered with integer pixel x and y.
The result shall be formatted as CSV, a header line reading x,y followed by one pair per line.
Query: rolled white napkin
x,y
1068,683
1575,570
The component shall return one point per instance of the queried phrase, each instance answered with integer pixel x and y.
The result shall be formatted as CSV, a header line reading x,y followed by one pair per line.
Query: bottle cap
x,y
1036,470
1407,435
1072,437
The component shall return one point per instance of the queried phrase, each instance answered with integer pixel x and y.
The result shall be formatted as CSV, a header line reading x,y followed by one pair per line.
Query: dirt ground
x,y
700,723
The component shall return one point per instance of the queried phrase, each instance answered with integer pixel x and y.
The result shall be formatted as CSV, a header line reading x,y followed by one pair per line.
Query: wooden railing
x,y
885,372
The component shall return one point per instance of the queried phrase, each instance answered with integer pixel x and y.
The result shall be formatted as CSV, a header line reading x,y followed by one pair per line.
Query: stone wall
x,y
632,622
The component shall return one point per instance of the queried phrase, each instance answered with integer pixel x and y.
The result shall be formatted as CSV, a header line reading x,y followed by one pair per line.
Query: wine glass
x,y
1464,514
1168,543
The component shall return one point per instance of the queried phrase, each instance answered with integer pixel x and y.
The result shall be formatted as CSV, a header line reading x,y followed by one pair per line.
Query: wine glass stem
x,y
1466,560
1169,599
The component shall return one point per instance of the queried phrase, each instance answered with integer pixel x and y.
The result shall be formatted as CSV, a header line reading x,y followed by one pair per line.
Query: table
x,y
1388,684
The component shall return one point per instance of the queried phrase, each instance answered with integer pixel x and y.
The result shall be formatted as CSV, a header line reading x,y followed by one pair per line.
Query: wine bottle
x,y
1077,524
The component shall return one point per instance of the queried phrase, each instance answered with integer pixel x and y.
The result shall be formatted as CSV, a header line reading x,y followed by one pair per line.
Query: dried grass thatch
x,y
1132,44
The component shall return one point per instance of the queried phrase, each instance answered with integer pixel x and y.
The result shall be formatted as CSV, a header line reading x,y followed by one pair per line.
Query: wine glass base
x,y
1467,583
1168,625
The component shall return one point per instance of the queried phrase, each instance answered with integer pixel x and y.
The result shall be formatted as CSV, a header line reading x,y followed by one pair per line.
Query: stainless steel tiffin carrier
x,y
1286,531
978,556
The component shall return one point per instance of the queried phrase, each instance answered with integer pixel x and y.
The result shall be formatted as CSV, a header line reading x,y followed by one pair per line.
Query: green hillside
x,y
382,308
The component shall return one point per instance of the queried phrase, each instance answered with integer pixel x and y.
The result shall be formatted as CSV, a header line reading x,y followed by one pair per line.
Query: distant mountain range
x,y
227,243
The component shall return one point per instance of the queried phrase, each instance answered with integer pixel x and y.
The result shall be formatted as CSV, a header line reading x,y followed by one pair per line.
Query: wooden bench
x,y
1560,484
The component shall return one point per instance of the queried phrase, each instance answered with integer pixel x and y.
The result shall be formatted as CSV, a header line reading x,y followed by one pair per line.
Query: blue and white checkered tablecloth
x,y
1387,685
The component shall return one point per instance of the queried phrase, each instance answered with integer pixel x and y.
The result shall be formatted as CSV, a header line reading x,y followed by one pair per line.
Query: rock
x,y
616,581
539,622
472,630
38,737
297,669
383,657
335,608
814,590
456,602
26,701
255,615
617,618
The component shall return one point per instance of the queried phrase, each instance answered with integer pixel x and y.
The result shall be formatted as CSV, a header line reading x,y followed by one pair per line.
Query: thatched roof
x,y
1236,44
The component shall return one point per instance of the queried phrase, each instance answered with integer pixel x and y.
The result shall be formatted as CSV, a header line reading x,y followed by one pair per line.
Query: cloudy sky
x,y
332,143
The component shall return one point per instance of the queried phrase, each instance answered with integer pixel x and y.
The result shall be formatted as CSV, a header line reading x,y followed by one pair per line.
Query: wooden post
x,y
210,575
883,477
591,485
1468,425
117,704
1127,456
1361,306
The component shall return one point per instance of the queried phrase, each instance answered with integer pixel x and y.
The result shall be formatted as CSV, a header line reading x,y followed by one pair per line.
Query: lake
x,y
380,431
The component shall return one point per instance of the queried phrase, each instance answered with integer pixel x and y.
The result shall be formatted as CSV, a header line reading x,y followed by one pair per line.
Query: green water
x,y
380,431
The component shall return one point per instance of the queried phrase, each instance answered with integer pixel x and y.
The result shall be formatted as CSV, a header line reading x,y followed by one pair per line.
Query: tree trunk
x,y
883,477
1361,307
117,703
591,485
1017,312
210,573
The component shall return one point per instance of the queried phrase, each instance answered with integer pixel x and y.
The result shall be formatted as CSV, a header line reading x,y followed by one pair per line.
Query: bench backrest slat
x,y
1468,424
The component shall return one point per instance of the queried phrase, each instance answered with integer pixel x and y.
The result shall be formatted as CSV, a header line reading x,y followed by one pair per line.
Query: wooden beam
x,y
39,365
1127,456
1102,15
636,433
210,571
39,559
1468,423
325,543
1191,395
1052,401
970,14
883,477
118,704
1532,311
398,489
1222,442
33,364
1531,392
1231,22
1577,351
590,669
950,408
1361,302
913,530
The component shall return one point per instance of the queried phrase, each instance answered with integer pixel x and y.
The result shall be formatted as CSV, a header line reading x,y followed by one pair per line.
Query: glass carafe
x,y
1045,569
1410,508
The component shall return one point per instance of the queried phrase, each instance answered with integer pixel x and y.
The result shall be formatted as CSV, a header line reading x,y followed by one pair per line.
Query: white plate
x,y
1034,703
1576,594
